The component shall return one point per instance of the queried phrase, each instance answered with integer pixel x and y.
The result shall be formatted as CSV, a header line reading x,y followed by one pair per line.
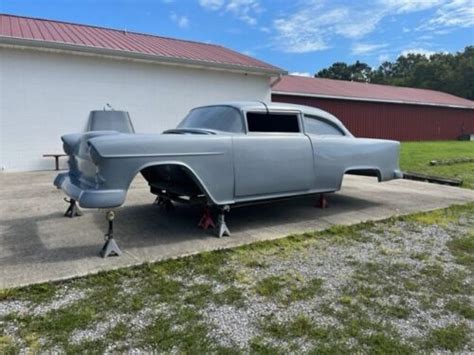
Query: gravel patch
x,y
62,300
14,307
97,331
336,265
136,322
236,326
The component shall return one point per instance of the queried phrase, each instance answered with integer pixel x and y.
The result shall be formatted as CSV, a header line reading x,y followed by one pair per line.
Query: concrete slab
x,y
38,244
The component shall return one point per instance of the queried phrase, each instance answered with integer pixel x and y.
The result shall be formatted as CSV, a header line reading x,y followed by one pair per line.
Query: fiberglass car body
x,y
226,154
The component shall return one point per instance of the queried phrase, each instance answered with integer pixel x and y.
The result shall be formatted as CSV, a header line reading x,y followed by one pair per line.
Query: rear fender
x,y
362,170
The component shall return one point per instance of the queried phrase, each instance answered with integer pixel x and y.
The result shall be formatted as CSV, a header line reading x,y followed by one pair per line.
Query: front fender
x,y
201,183
207,158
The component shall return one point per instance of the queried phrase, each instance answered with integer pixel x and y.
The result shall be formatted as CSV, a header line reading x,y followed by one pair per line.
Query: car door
x,y
332,152
274,157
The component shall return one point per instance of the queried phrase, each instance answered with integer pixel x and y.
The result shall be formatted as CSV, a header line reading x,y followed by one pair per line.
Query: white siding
x,y
45,95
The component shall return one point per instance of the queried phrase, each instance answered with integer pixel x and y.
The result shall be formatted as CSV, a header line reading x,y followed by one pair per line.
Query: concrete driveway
x,y
38,244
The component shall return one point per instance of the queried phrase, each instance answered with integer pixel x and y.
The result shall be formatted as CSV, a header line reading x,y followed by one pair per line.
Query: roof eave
x,y
115,53
352,98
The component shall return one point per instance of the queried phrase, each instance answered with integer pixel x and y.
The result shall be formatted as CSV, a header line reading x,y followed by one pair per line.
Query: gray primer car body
x,y
224,168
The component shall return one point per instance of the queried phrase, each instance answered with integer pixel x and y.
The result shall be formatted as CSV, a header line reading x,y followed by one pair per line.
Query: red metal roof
x,y
350,90
92,37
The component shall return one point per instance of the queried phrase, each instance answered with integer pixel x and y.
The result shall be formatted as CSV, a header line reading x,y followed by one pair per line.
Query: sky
x,y
301,36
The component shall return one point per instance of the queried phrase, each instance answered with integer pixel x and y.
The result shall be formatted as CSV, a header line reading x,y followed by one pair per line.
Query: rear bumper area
x,y
397,174
387,175
89,198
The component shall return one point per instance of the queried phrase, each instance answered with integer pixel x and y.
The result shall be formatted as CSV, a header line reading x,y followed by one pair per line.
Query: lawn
x,y
403,285
416,157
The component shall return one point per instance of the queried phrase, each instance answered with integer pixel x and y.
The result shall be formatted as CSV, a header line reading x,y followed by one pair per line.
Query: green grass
x,y
439,217
452,337
461,306
181,290
301,326
7,345
462,248
35,293
370,335
270,286
416,157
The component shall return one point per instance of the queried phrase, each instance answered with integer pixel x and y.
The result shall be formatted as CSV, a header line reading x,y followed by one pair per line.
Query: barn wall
x,y
45,95
392,121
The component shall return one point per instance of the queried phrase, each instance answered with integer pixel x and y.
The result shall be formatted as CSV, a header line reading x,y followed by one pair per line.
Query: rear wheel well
x,y
366,172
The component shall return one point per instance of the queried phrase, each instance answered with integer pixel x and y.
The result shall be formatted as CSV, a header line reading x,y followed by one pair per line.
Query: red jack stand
x,y
322,201
206,220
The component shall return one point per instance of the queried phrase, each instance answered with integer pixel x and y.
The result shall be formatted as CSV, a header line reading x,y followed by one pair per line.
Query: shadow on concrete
x,y
142,226
22,242
145,225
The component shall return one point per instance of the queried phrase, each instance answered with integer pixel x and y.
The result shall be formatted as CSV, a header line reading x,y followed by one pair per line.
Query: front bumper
x,y
87,197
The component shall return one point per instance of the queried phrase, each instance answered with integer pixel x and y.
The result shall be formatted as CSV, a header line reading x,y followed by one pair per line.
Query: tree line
x,y
449,72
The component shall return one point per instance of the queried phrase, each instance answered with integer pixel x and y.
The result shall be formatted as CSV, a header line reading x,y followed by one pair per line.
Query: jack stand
x,y
221,225
206,220
322,202
164,203
73,210
110,247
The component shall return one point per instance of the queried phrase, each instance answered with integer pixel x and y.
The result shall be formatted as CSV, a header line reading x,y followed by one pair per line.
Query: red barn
x,y
382,111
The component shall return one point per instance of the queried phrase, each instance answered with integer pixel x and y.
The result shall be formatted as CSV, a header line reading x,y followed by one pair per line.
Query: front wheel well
x,y
175,179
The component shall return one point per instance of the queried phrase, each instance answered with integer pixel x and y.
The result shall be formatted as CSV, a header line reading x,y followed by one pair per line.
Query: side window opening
x,y
220,118
320,126
273,122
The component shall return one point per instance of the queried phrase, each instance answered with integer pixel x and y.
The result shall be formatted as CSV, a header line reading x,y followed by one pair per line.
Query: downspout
x,y
272,84
276,81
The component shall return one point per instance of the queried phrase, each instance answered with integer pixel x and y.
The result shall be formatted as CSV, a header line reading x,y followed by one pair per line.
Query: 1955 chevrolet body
x,y
226,154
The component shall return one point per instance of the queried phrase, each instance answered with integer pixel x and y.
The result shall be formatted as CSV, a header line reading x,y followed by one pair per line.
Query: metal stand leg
x,y
168,205
73,210
110,247
322,201
164,203
221,225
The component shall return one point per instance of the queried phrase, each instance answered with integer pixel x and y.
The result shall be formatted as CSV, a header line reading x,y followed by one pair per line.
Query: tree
x,y
360,71
451,73
355,72
382,74
338,71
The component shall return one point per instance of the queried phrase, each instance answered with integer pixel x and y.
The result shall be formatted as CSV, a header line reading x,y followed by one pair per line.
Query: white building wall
x,y
44,95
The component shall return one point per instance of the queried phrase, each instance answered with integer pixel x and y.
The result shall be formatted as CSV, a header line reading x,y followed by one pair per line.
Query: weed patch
x,y
461,306
453,337
463,249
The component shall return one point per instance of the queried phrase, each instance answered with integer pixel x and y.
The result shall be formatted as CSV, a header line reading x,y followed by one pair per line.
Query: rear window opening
x,y
272,122
320,126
